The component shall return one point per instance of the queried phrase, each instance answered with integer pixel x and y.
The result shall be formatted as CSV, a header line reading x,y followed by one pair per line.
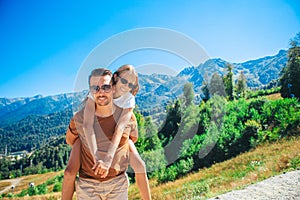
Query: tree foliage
x,y
290,81
34,132
228,81
205,91
188,93
241,126
171,125
241,85
216,86
52,157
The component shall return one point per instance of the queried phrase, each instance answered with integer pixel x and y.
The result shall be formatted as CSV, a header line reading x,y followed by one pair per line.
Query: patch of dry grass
x,y
274,96
53,196
256,165
4,184
37,179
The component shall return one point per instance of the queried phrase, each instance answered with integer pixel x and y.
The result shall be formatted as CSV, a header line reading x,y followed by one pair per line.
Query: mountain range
x,y
156,90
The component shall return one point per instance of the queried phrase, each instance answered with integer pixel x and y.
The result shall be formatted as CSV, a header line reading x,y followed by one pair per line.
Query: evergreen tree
x,y
141,130
151,139
216,86
241,85
171,125
205,91
290,82
189,95
227,79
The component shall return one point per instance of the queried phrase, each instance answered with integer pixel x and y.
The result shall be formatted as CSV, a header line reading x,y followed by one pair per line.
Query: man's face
x,y
102,94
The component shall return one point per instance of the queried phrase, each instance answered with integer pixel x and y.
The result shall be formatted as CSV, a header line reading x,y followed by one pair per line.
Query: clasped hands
x,y
100,168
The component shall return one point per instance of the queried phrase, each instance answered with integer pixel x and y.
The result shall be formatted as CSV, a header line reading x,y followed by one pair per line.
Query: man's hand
x,y
100,168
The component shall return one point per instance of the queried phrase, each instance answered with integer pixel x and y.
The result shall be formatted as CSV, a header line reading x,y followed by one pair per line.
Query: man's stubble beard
x,y
103,103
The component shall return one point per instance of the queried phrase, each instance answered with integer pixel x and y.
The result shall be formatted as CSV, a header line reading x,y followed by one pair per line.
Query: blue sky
x,y
44,43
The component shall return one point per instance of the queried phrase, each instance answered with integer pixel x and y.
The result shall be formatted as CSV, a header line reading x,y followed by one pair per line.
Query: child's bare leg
x,y
71,171
139,168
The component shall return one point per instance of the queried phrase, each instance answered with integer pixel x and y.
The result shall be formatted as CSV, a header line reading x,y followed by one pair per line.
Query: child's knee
x,y
138,166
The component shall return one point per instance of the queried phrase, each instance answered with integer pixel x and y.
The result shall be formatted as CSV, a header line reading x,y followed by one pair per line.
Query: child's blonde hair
x,y
131,69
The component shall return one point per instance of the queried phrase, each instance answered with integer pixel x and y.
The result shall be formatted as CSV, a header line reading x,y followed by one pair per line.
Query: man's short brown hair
x,y
100,72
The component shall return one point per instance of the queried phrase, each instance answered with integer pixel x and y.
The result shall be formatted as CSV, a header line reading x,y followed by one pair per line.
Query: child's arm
x,y
105,163
134,134
88,126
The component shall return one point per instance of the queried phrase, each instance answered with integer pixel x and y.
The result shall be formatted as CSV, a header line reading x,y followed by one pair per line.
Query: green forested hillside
x,y
52,157
34,131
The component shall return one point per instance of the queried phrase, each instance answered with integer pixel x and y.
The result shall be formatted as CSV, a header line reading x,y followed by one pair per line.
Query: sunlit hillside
x,y
263,162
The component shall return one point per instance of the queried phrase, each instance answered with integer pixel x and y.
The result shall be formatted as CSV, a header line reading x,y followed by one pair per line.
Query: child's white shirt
x,y
124,101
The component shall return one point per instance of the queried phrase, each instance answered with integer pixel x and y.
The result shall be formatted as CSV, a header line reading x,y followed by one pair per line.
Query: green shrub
x,y
184,166
192,190
23,193
167,174
57,187
295,163
10,195
32,191
154,160
42,189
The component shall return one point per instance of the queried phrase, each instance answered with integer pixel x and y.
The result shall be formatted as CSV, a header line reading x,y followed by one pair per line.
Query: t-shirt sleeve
x,y
72,134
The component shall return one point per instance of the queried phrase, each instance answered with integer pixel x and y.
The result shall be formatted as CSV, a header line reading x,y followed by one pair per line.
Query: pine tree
x,y
228,83
171,124
290,82
188,93
216,86
241,85
205,91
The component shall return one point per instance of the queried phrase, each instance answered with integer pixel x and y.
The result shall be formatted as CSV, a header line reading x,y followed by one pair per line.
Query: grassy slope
x,y
37,179
261,163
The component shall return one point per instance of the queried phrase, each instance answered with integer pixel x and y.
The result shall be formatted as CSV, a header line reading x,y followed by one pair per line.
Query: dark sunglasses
x,y
96,88
125,81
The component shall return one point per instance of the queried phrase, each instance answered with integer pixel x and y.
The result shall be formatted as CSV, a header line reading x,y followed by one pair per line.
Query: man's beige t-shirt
x,y
104,129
